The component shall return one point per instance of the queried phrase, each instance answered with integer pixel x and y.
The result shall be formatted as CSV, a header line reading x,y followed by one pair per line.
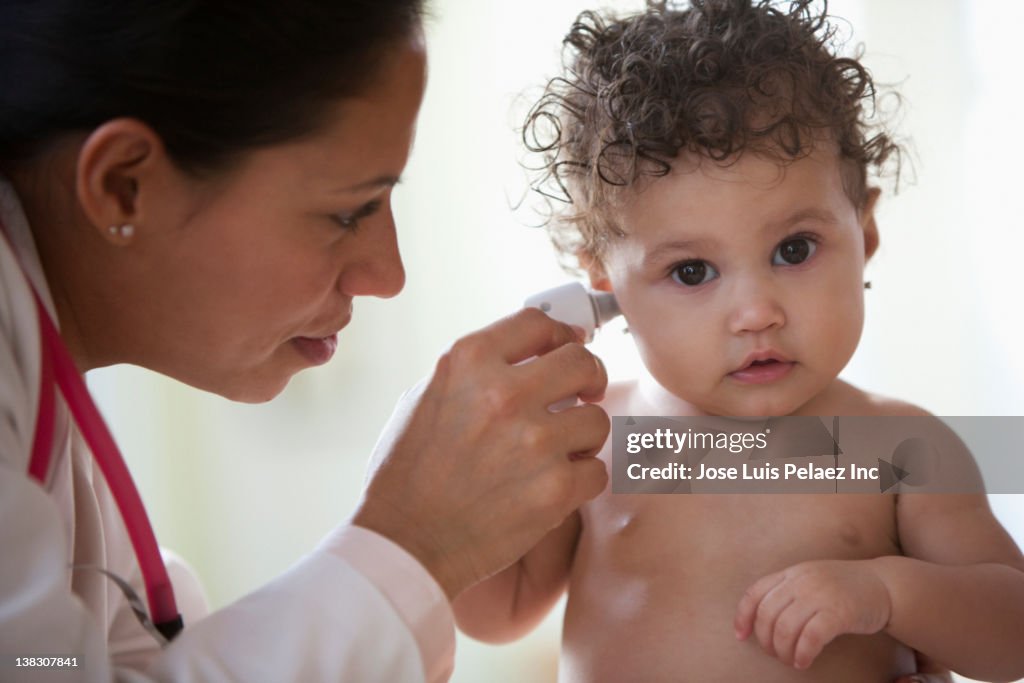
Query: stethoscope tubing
x,y
58,369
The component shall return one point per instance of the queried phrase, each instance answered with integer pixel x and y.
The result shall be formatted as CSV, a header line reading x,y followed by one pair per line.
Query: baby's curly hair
x,y
717,78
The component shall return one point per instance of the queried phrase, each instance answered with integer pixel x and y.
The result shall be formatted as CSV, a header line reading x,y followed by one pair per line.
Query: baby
x,y
715,163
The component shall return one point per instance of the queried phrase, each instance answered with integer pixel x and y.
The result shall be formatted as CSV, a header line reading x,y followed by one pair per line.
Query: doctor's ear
x,y
866,215
594,268
114,163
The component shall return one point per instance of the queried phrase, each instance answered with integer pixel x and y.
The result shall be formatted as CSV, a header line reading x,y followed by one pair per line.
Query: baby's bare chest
x,y
651,565
736,534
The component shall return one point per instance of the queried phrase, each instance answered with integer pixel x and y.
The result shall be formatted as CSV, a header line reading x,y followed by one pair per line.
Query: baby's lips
x,y
764,357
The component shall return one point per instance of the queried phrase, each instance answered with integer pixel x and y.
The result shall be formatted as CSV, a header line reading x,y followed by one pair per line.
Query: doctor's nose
x,y
756,308
378,269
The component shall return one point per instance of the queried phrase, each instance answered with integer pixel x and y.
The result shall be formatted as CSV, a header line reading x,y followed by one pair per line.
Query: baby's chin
x,y
753,405
677,396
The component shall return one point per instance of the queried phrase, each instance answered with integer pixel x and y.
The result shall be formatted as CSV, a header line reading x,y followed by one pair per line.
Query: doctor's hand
x,y
477,469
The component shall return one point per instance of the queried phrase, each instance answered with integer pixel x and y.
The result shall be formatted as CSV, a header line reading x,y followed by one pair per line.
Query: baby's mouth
x,y
763,370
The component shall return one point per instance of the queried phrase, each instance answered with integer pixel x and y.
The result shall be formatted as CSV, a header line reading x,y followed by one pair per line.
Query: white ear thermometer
x,y
574,304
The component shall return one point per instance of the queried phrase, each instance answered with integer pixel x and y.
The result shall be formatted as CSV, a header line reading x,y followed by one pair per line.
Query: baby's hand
x,y
798,611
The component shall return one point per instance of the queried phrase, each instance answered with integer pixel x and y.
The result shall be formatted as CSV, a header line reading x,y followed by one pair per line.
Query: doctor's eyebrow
x,y
380,181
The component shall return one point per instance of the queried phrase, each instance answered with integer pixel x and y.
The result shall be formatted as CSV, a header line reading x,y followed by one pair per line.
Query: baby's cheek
x,y
674,363
831,342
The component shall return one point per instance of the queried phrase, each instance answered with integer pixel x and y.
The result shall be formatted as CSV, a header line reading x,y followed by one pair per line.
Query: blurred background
x,y
243,491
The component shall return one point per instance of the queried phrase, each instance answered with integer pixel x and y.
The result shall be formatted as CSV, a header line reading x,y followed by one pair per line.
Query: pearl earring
x,y
124,231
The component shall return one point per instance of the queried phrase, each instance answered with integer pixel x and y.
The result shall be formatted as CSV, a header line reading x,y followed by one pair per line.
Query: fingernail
x,y
581,334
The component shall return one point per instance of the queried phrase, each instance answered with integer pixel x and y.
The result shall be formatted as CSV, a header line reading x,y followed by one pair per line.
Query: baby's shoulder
x,y
886,405
850,400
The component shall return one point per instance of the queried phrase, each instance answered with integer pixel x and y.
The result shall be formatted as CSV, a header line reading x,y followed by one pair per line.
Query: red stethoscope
x,y
58,371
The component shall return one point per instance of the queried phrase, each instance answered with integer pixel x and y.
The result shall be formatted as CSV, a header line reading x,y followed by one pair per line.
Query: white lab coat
x,y
322,620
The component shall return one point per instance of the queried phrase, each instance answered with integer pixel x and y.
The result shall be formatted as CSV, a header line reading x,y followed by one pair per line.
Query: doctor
x,y
203,189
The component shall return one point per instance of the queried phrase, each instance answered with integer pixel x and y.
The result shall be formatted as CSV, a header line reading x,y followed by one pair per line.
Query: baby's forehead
x,y
752,171
748,191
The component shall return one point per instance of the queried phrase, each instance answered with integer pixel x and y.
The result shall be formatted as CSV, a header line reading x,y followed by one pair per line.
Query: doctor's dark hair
x,y
213,78
717,78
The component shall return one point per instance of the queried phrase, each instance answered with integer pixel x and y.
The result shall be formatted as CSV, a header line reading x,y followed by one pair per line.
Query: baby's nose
x,y
756,307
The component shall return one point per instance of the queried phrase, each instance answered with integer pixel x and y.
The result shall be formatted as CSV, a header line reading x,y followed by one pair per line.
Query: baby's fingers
x,y
768,612
788,627
819,631
747,610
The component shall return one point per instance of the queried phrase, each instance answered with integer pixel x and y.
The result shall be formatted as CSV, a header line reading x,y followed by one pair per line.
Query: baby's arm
x,y
958,595
509,604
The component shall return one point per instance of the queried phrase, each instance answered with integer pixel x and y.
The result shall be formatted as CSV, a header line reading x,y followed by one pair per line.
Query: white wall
x,y
243,491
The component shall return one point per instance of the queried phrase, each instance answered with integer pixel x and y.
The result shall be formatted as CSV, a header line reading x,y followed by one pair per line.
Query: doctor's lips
x,y
316,350
319,350
762,367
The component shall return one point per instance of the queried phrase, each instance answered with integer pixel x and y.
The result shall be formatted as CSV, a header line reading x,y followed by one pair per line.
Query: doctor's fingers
x,y
590,477
561,488
566,372
582,430
522,335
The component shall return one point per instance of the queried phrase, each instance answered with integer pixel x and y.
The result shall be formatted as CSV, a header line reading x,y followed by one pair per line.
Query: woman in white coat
x,y
202,189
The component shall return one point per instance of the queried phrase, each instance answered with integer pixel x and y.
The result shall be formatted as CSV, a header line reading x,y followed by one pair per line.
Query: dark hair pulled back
x,y
213,78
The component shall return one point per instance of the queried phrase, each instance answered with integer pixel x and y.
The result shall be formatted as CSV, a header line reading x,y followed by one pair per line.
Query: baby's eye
x,y
794,251
693,273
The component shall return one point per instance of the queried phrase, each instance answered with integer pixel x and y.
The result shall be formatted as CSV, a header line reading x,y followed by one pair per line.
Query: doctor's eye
x,y
350,221
793,251
693,273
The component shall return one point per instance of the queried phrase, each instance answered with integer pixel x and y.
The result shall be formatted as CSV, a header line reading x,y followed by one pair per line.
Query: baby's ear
x,y
866,215
595,270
